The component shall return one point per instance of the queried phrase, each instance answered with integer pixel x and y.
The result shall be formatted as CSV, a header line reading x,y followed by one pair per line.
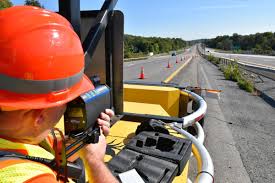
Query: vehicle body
x,y
101,32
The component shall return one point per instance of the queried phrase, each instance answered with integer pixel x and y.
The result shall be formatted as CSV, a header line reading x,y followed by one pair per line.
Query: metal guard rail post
x,y
262,70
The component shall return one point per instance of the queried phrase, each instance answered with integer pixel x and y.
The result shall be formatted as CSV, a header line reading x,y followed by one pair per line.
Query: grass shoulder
x,y
233,73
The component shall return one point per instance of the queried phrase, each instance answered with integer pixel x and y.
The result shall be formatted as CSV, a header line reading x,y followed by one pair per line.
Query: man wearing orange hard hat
x,y
41,70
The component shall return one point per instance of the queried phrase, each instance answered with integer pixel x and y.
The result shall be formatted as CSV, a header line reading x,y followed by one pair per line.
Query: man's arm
x,y
99,173
92,156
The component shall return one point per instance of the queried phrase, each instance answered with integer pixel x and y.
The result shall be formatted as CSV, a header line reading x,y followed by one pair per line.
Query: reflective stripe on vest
x,y
22,171
31,150
18,170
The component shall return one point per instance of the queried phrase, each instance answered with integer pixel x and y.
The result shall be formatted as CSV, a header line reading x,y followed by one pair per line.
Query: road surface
x,y
155,68
239,127
256,59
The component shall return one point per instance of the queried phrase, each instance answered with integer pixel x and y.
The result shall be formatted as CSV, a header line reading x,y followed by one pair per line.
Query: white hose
x,y
207,170
200,132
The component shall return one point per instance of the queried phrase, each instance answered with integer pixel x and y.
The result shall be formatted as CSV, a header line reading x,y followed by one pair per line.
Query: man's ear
x,y
38,116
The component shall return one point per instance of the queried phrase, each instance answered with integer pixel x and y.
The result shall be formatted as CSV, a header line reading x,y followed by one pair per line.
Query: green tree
x,y
236,41
135,46
273,43
227,44
5,4
219,45
266,46
151,48
33,3
260,43
258,49
156,47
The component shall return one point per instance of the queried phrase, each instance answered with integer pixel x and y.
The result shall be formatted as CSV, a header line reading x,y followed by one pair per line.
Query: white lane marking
x,y
244,55
205,77
255,56
267,60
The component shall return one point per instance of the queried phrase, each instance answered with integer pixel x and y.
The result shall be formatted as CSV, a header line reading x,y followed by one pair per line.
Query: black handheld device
x,y
81,115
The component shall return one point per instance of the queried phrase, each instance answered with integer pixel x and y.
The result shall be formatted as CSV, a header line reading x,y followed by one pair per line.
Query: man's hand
x,y
94,152
93,159
97,150
104,121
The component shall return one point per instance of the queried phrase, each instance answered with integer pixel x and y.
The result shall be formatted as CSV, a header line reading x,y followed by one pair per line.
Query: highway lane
x,y
155,68
256,59
239,127
219,140
155,71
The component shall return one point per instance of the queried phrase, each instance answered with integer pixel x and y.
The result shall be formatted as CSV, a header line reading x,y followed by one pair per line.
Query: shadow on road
x,y
269,100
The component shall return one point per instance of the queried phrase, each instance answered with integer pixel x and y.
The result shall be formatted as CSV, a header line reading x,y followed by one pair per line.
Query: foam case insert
x,y
150,169
166,147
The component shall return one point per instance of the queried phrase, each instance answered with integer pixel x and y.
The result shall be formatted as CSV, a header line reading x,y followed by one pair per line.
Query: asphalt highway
x,y
239,126
254,59
155,68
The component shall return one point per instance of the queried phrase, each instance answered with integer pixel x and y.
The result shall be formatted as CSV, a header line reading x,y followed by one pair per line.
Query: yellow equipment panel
x,y
167,97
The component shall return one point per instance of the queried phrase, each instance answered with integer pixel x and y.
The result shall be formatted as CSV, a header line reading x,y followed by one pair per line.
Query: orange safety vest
x,y
13,170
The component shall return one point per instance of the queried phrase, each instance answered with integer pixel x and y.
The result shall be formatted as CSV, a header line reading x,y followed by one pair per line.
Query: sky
x,y
188,19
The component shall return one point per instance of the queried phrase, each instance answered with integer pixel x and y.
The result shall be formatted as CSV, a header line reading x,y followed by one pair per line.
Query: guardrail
x,y
133,59
143,58
267,72
156,55
262,70
198,114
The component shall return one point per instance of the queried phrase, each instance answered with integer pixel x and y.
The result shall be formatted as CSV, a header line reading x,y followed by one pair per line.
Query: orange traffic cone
x,y
141,75
168,65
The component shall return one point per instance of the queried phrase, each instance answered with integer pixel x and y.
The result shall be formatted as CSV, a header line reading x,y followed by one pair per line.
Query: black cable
x,y
44,161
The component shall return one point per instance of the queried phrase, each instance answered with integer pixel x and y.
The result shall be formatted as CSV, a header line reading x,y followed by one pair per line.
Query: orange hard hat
x,y
41,60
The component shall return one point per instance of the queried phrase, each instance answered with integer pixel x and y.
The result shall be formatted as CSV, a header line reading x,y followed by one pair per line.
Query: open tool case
x,y
156,157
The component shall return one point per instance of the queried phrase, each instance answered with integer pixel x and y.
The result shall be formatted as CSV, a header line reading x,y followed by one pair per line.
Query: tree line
x,y
8,3
135,46
259,43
